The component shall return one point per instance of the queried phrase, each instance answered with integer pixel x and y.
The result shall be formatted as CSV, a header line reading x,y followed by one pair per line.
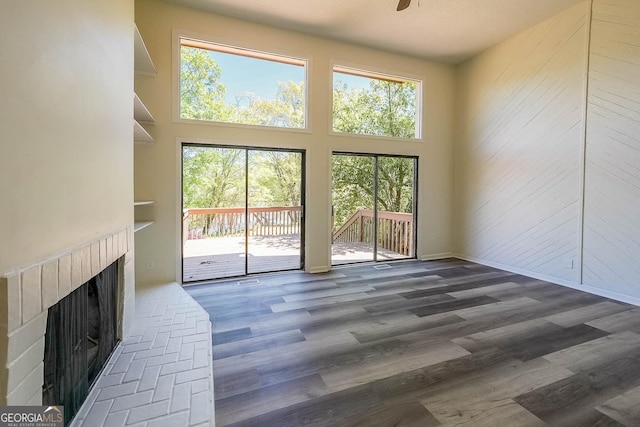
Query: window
x,y
367,103
226,84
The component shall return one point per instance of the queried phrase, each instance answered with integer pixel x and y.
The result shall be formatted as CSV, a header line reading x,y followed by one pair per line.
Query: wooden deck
x,y
348,253
225,256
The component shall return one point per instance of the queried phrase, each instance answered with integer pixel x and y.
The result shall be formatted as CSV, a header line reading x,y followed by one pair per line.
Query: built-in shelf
x,y
139,225
140,111
142,60
140,134
143,65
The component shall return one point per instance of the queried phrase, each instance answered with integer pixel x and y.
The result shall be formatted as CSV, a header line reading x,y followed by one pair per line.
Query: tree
x,y
285,110
354,189
353,186
213,177
395,184
384,109
201,95
276,178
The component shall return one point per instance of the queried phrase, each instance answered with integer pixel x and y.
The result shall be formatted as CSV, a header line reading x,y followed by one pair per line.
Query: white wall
x,y
65,124
518,166
612,191
157,168
538,183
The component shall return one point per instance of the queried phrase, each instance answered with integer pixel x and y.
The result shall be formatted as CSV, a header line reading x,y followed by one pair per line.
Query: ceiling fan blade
x,y
403,4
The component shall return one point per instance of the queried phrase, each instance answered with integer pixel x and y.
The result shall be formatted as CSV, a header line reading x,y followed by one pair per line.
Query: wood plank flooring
x,y
420,344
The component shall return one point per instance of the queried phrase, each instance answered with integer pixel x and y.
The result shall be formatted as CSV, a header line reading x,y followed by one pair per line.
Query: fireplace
x,y
80,337
27,294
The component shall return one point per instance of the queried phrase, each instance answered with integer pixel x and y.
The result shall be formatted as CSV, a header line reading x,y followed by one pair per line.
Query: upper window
x,y
367,103
232,85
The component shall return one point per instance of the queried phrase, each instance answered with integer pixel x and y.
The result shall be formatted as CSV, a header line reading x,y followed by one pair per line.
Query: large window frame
x,y
376,204
183,38
342,67
193,142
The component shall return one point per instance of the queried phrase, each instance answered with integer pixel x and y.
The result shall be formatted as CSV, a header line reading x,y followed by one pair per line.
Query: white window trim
x,y
179,34
373,72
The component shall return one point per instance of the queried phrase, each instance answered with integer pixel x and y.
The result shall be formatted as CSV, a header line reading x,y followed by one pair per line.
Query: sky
x,y
241,74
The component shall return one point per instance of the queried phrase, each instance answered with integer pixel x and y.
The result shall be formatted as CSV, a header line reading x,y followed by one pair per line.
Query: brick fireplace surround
x,y
160,374
26,295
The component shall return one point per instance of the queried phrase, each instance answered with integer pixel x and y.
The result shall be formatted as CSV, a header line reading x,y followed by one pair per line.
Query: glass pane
x,y
353,197
395,208
237,87
275,209
366,104
213,204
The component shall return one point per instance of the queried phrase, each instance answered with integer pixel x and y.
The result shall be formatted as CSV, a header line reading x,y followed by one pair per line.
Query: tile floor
x,y
161,374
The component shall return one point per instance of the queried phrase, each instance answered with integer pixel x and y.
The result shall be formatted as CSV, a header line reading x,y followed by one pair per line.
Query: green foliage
x,y
213,177
201,95
353,185
275,178
395,184
285,110
384,109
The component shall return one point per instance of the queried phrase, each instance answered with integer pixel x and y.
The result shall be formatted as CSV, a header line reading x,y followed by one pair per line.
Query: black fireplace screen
x,y
80,337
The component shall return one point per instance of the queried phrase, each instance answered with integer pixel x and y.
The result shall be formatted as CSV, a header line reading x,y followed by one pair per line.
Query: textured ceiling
x,y
442,30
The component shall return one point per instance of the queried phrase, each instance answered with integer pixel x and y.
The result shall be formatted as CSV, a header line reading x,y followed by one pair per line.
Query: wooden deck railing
x,y
395,230
204,223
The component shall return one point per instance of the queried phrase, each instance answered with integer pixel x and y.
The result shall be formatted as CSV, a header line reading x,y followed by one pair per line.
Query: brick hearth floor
x,y
161,373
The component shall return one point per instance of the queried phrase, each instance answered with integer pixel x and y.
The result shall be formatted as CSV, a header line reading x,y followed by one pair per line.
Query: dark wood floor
x,y
420,344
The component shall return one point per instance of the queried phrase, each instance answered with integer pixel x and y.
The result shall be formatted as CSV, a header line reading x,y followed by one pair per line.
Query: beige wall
x,y
518,161
66,165
66,168
157,168
612,191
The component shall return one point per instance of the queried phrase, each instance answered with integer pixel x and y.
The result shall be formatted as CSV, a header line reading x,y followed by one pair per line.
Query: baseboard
x,y
435,257
566,283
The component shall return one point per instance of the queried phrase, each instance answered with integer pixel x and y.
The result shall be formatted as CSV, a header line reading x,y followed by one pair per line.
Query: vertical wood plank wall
x,y
612,179
518,167
522,150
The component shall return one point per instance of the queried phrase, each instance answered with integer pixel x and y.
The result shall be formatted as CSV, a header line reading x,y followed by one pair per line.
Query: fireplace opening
x,y
81,334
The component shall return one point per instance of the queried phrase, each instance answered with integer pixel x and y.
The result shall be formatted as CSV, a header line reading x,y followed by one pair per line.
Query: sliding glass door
x,y
242,211
373,198
274,211
353,204
213,205
395,209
